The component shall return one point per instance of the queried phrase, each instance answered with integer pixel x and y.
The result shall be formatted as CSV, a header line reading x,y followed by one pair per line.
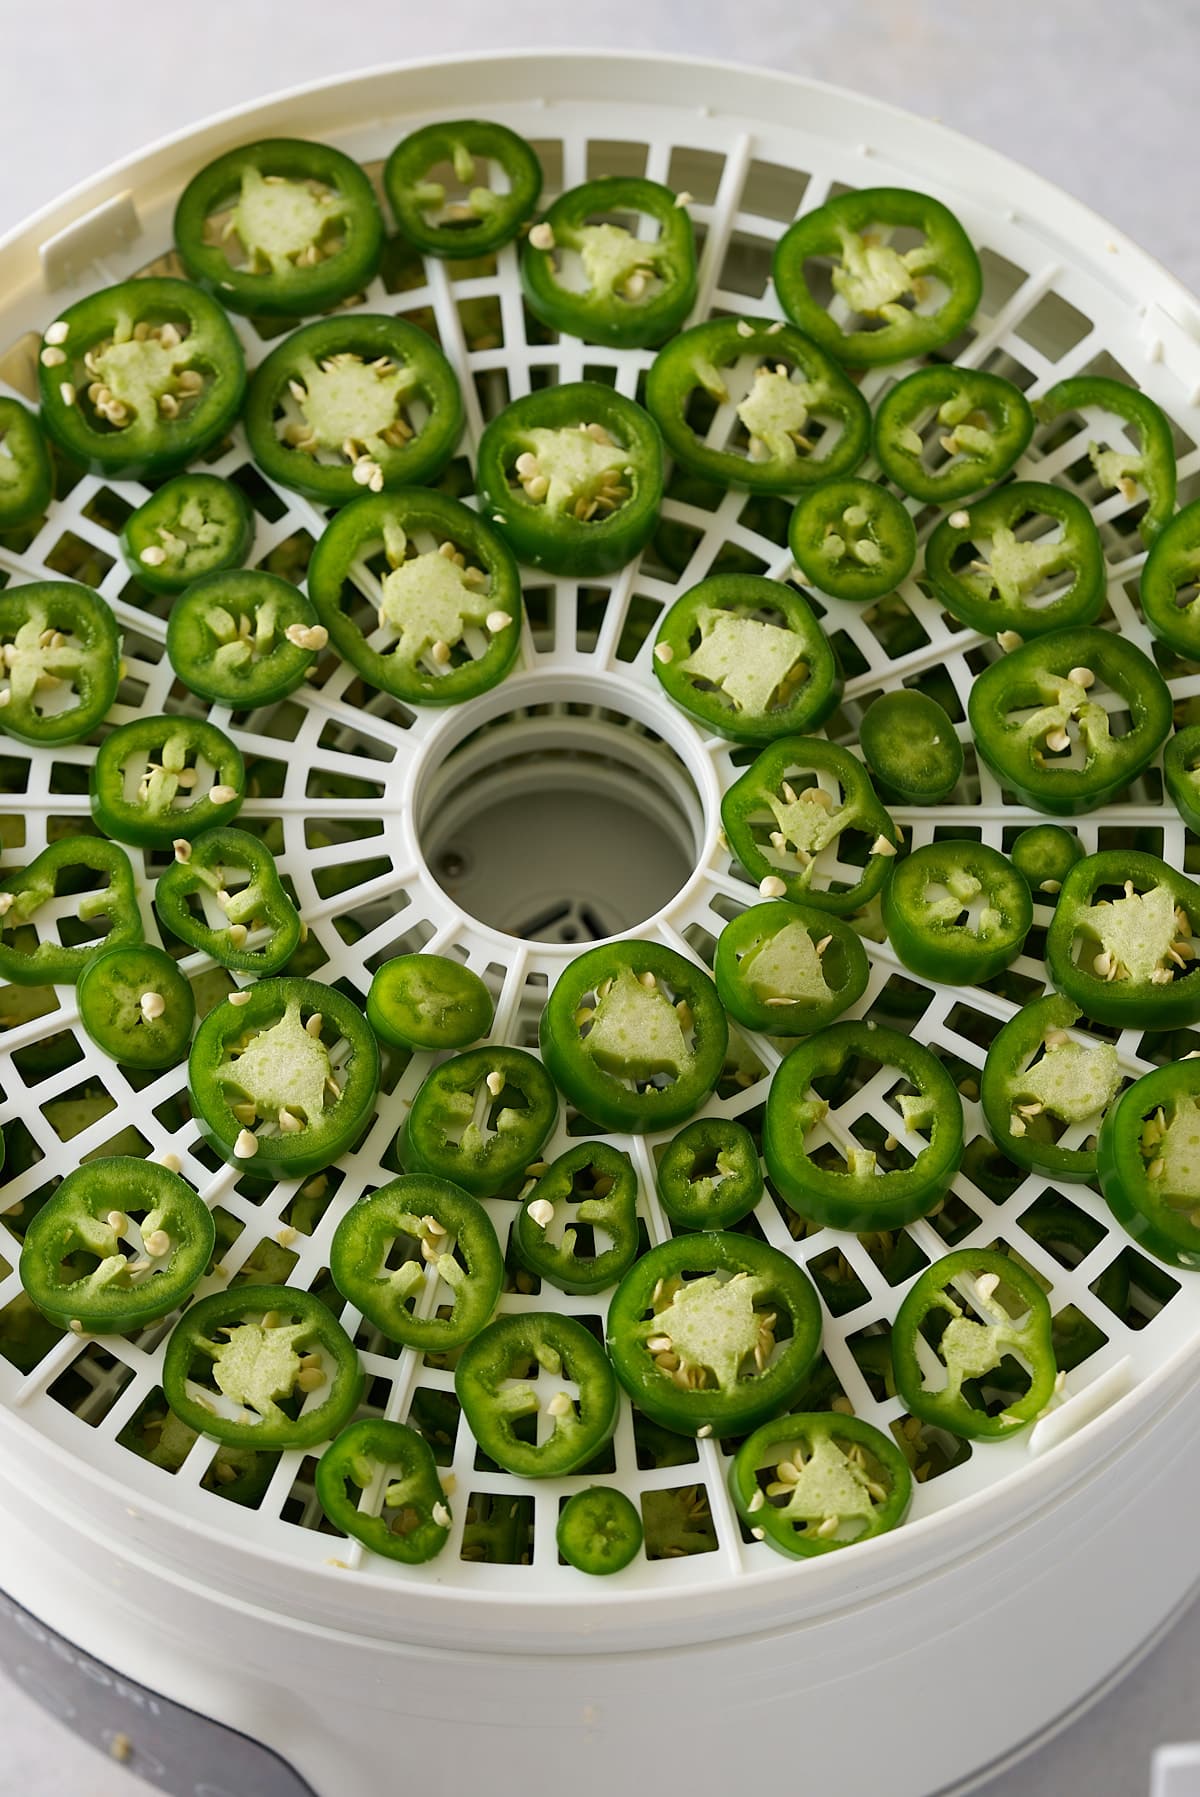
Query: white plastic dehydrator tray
x,y
587,804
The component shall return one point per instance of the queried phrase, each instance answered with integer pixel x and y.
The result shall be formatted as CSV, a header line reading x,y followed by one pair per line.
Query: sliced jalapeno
x,y
99,873
224,897
1148,1163
473,219
504,1409
26,477
428,1001
599,1530
479,1119
378,1482
136,1005
788,969
709,1176
1046,1092
244,638
852,538
991,571
588,1195
61,655
1145,472
193,525
944,433
911,747
185,776
811,1483
957,912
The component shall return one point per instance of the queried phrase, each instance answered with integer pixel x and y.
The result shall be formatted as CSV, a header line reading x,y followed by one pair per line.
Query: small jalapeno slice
x,y
894,303
119,1244
262,1366
144,377
479,1119
26,476
957,911
351,403
194,525
40,947
378,1482
1143,474
222,895
572,478
971,1315
1120,941
944,433
999,564
243,638
428,1001
60,670
437,183
810,1483
1181,772
599,1530
713,1333
420,1259
282,226
709,1176
184,775
752,403
577,1227
788,969
911,747
446,608
852,538
587,274
136,1005
1170,600
1046,1091
1046,853
498,1382
746,657
1148,1164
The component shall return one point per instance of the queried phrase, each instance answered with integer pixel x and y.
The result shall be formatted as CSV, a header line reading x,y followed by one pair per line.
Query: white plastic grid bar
x,y
328,733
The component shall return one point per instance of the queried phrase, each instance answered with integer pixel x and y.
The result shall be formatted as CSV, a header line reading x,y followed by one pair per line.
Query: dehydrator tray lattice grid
x,y
1057,301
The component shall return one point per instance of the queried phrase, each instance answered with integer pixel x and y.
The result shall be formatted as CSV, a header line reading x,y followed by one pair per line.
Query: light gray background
x,y
1098,95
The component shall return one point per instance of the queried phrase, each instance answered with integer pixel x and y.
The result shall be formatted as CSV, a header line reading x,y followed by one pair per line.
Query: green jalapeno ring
x,y
607,1207
483,220
485,1153
852,538
982,427
428,1001
153,818
1146,1158
988,574
412,1521
55,634
1120,941
709,1176
787,970
503,1415
136,1005
957,911
24,892
1152,466
843,1481
243,638
911,747
193,525
230,911
1035,1076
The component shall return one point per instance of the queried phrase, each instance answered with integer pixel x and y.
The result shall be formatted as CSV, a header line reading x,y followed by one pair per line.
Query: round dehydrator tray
x,y
378,827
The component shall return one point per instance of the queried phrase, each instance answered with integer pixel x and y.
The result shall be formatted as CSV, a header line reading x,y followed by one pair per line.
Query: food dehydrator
x,y
225,1649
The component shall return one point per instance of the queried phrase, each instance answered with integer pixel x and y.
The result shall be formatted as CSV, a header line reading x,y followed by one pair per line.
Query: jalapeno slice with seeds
x,y
428,1001
440,621
970,1315
475,219
479,1119
713,1333
1046,1092
572,478
119,1244
944,433
225,898
752,403
813,1482
788,969
747,658
26,477
141,377
161,778
577,1225
709,1176
378,1482
282,226
420,1259
262,1366
537,1429
60,656
852,538
1148,1158
1145,471
899,303
194,525
136,1005
1169,591
586,273
958,912
992,572
634,1035
244,638
42,945
351,403
1120,941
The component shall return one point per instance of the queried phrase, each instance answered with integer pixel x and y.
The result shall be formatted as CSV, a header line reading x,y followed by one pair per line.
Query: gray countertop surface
x,y
1097,95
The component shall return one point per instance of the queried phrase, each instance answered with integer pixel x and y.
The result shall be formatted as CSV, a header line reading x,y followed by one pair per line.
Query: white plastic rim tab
x,y
1064,293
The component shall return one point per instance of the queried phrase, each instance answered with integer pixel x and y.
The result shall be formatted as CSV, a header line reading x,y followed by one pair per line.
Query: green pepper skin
x,y
841,965
911,747
206,1340
1173,566
1181,758
853,539
928,935
794,1525
49,962
285,1074
860,1198
308,361
1036,680
408,670
439,1137
492,1404
194,525
740,1400
1001,598
733,669
1152,467
605,311
88,659
977,453
873,285
1160,1217
287,287
72,1232
693,362
546,533
428,1002
111,991
162,745
359,1254
1005,1086
1046,853
756,807
26,477
493,219
610,1206
634,1032
599,1531
948,1408
216,658
1125,1001
260,903
350,1464
103,327
709,1176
